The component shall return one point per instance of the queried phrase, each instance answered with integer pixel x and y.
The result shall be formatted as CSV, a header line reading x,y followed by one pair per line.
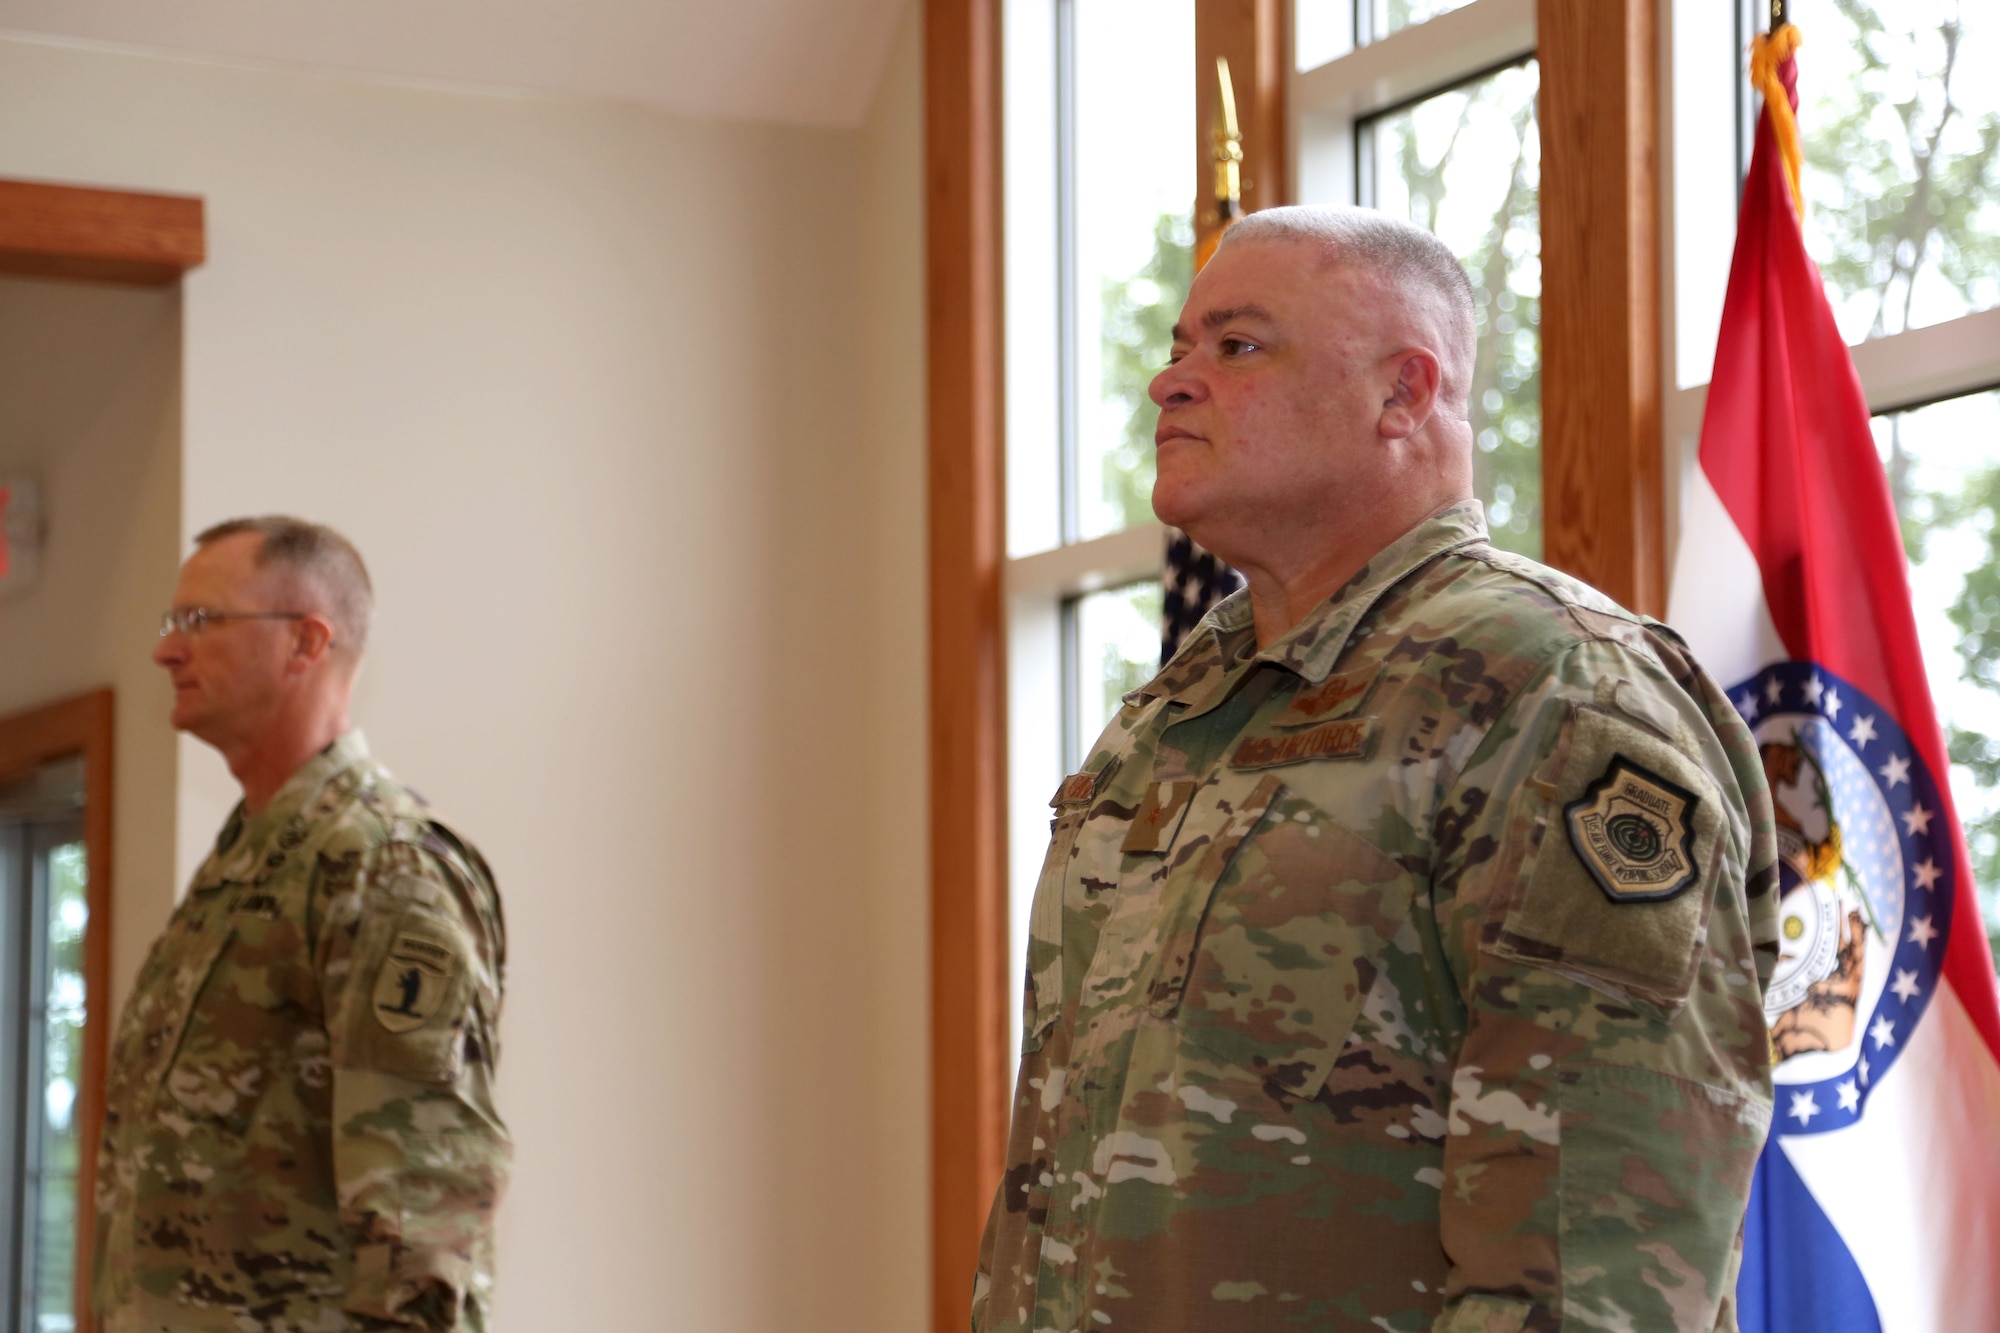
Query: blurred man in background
x,y
300,1132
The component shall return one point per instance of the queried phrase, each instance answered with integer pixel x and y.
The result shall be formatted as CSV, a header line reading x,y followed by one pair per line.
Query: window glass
x,y
1321,31
1900,116
1134,96
1376,19
1466,164
1114,647
54,1156
1944,469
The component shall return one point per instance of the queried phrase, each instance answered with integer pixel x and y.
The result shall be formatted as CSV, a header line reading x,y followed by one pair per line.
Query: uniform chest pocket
x,y
1042,991
1282,926
156,1024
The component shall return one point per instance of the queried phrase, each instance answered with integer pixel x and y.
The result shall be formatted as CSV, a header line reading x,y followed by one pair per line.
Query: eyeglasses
x,y
192,620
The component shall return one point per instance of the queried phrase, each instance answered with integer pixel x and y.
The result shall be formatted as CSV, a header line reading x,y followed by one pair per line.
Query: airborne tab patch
x,y
1349,738
1633,830
412,983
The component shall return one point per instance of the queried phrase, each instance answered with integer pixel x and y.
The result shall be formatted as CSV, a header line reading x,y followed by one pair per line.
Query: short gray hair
x,y
321,559
1415,259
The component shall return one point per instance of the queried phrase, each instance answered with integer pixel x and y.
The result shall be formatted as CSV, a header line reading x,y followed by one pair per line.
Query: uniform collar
x,y
1312,646
1226,635
243,839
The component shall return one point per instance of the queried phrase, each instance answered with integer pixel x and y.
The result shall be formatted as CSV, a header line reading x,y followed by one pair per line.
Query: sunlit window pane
x,y
1321,31
1134,189
1466,164
1376,19
1944,468
1113,647
53,1169
1900,114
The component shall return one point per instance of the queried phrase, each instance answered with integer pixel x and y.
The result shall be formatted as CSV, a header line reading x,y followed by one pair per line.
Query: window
x,y
1944,470
43,913
1426,109
1099,236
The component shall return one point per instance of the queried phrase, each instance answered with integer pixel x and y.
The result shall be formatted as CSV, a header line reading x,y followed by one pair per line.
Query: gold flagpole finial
x,y
1228,163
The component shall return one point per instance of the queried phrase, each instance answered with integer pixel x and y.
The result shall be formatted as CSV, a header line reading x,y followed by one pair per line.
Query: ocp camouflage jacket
x,y
1404,975
300,1133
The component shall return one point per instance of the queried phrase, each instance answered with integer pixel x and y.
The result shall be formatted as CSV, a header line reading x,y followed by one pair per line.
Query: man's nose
x,y
1177,384
171,650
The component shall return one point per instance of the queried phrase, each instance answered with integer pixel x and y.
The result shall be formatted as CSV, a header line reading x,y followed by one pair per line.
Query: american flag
x,y
1195,580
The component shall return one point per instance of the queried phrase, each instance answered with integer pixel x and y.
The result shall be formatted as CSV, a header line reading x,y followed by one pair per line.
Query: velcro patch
x,y
1152,828
1348,738
1607,902
1327,698
1076,789
1633,830
412,983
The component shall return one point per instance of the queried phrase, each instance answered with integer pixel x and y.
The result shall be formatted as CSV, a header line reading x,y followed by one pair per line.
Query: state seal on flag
x,y
1865,895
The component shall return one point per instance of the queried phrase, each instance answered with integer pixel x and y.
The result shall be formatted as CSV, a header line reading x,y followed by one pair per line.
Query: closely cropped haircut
x,y
324,563
1418,262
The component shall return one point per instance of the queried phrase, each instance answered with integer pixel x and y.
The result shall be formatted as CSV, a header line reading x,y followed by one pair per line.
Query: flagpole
x,y
1778,14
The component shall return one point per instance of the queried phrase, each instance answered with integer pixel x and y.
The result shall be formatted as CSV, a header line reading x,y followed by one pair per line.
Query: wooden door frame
x,y
81,727
130,237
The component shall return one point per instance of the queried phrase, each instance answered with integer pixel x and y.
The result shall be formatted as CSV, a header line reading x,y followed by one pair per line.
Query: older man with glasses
x,y
300,1129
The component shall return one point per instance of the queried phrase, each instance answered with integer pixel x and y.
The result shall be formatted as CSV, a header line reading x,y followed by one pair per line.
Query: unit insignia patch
x,y
1634,832
412,982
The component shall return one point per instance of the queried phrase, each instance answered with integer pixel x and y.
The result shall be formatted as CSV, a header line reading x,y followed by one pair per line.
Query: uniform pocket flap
x,y
1628,847
1290,945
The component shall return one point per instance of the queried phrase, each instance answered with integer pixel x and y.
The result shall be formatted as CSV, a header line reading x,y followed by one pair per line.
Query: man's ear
x,y
312,641
1413,397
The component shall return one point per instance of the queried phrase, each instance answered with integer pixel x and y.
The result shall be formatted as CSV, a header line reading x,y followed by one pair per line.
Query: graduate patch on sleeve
x,y
1625,844
1634,832
411,986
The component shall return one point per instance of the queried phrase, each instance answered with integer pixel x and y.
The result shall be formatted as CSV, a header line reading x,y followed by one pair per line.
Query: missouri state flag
x,y
1876,1204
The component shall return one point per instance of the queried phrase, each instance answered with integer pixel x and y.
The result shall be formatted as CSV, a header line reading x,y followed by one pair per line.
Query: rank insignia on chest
x,y
1634,832
1333,697
1348,738
412,982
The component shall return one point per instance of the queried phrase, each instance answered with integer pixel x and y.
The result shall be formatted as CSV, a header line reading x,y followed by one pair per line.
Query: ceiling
x,y
810,62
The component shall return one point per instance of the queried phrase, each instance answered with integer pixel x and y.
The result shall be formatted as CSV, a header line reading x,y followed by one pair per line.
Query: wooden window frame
x,y
80,727
1603,516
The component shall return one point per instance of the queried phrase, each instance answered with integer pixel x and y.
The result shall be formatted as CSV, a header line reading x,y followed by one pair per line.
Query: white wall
x,y
623,410
90,408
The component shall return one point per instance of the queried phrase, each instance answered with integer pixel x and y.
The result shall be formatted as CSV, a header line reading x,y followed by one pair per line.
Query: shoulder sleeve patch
x,y
410,992
1633,830
411,983
1631,842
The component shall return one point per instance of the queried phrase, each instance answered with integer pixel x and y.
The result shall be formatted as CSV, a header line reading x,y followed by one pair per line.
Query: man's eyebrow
x,y
1217,318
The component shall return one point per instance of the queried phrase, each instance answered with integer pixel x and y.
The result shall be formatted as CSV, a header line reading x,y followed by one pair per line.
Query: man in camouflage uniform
x,y
300,1133
1397,962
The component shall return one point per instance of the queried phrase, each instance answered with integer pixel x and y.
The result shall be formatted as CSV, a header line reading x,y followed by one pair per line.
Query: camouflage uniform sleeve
x,y
410,968
1598,890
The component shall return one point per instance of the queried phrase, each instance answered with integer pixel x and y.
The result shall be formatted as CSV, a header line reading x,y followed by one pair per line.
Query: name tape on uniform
x,y
1349,738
